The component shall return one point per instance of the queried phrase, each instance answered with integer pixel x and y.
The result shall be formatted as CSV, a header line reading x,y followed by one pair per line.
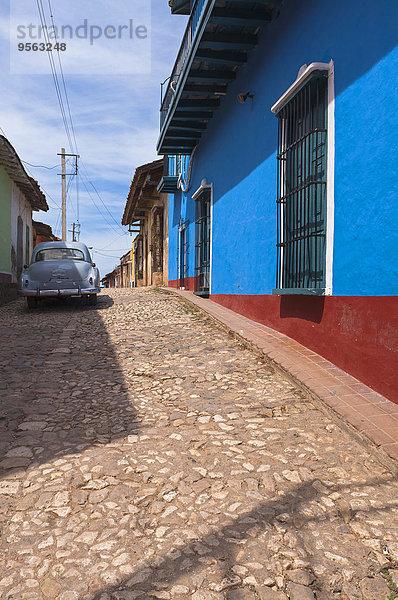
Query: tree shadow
x,y
83,399
222,546
62,389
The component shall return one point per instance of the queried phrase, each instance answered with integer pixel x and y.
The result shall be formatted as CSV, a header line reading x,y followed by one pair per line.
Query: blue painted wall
x,y
237,152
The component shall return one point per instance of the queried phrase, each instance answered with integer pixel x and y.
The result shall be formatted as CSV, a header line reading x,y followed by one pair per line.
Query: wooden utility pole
x,y
63,195
63,175
75,231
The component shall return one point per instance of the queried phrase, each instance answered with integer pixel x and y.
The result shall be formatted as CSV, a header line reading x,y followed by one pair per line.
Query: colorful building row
x,y
20,195
146,214
280,133
43,233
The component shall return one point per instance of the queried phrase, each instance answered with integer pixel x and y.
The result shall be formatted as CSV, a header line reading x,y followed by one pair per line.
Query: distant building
x,y
282,137
127,269
20,194
43,233
113,279
146,215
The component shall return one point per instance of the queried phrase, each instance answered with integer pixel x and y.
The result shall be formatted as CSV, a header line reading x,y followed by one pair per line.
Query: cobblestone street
x,y
145,453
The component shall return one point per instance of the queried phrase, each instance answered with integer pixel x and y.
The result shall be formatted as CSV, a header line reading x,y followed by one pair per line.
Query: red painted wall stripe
x,y
189,283
358,334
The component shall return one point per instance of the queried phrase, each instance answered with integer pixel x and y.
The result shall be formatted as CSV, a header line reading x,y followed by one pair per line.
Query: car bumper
x,y
61,292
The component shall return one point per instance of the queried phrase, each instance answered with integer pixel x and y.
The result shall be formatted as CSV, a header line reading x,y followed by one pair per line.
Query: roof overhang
x,y
168,184
11,162
216,43
143,191
180,7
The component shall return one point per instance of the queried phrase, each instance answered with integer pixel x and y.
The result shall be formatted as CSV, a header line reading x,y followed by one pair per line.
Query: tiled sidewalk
x,y
360,406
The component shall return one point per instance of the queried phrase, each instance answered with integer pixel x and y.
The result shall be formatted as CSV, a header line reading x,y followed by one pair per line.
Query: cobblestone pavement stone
x,y
144,453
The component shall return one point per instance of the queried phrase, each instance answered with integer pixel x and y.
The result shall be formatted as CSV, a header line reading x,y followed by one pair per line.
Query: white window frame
x,y
204,185
184,226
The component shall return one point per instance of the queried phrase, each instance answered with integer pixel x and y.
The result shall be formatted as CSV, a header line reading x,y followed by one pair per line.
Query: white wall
x,y
19,207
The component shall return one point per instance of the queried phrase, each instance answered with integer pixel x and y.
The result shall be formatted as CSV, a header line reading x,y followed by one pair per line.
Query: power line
x,y
68,189
119,235
68,126
25,162
102,202
99,210
63,78
118,250
109,255
54,71
58,222
77,196
45,192
66,115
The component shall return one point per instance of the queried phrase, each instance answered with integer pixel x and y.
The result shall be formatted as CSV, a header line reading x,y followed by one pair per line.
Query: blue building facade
x,y
283,198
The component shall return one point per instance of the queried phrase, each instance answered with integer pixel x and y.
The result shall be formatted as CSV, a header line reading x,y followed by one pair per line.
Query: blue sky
x,y
116,121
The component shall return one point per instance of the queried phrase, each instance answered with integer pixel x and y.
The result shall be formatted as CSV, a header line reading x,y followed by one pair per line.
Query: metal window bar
x,y
186,254
183,53
202,243
301,188
157,241
138,259
183,254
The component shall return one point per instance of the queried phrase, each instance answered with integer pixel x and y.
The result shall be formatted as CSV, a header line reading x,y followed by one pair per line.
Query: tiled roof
x,y
11,162
146,179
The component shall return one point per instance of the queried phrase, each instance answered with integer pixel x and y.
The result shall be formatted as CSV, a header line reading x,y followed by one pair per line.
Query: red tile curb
x,y
369,413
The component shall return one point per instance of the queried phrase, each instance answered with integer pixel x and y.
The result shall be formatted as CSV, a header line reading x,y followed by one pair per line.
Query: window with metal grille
x,y
139,258
183,254
202,243
157,240
302,190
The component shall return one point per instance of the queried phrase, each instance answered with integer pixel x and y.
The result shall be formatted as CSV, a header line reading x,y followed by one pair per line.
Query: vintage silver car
x,y
60,269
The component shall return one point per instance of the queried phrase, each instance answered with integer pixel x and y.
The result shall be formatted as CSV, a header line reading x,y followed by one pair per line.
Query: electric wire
x,y
110,250
100,198
77,194
65,113
63,78
25,162
119,235
58,224
47,194
67,192
54,71
99,210
109,255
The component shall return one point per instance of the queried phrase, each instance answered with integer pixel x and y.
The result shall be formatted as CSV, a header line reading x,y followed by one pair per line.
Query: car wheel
x,y
32,302
92,300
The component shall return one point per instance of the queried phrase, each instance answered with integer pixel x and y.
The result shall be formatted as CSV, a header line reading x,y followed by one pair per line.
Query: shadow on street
x,y
62,389
222,546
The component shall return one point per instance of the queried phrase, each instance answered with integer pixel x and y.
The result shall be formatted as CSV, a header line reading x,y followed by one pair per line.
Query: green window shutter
x,y
27,246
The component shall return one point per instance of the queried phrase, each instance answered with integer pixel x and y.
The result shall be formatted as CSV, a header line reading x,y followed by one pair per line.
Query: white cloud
x,y
116,120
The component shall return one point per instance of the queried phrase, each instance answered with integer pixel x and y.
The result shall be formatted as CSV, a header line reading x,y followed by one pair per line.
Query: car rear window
x,y
59,254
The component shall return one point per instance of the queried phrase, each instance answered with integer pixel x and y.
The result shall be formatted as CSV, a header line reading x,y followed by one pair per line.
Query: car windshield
x,y
59,254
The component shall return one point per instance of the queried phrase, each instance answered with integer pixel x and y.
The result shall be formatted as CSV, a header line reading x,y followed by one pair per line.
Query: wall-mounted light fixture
x,y
244,96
